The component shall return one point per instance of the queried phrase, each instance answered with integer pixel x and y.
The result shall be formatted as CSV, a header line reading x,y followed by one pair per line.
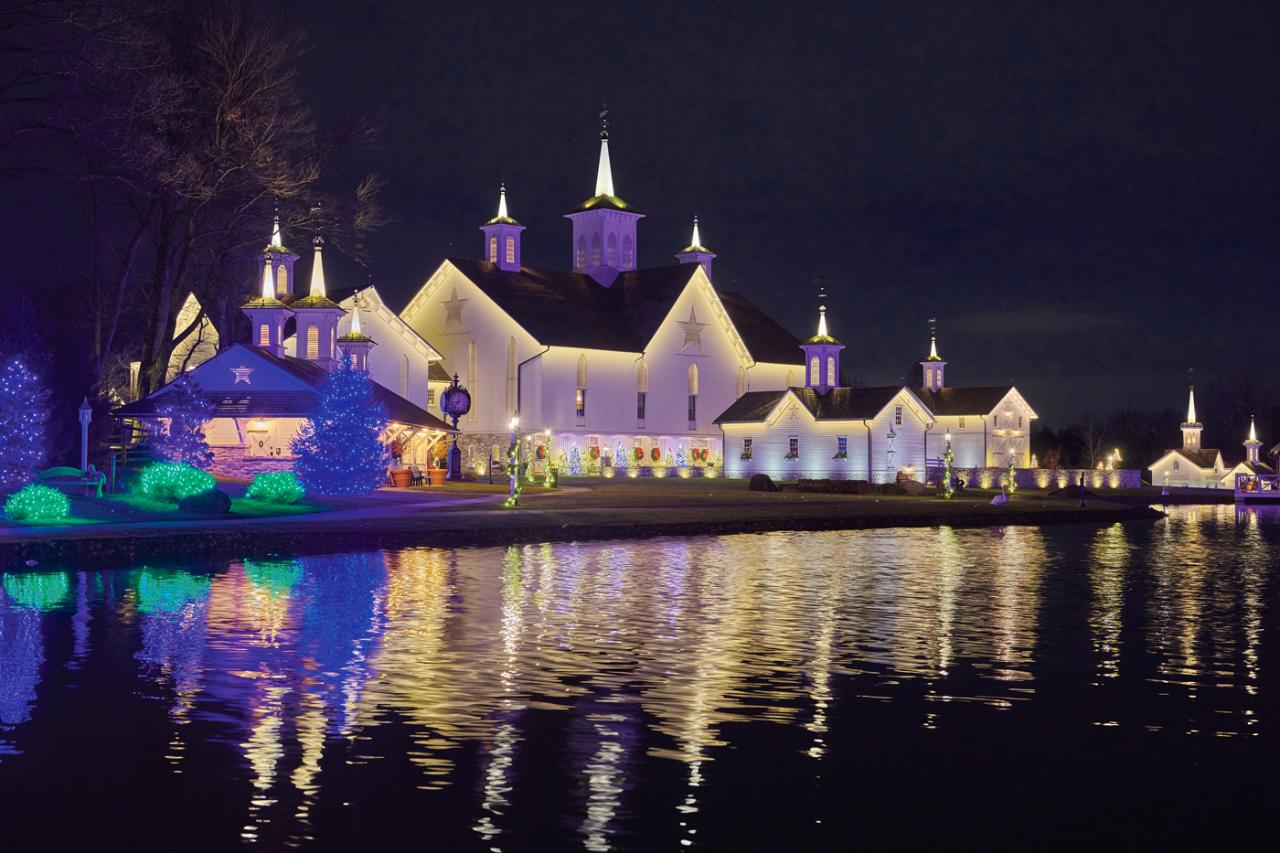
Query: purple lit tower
x,y
933,367
502,237
267,315
279,261
822,354
604,226
355,344
317,318
696,253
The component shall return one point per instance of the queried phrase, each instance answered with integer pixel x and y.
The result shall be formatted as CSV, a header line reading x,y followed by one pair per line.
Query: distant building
x,y
1191,465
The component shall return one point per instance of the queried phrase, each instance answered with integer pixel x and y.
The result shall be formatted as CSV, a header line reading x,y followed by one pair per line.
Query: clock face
x,y
455,401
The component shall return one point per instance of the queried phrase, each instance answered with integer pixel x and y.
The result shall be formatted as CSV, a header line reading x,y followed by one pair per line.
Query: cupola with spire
x,y
822,353
1252,445
355,344
1192,428
604,226
317,317
502,237
279,262
932,369
267,316
695,252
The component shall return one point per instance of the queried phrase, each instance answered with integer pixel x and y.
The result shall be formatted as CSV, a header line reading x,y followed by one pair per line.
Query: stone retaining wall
x,y
231,463
1043,478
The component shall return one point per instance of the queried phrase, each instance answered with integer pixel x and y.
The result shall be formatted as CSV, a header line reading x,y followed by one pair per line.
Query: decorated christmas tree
x,y
339,448
24,410
186,412
575,463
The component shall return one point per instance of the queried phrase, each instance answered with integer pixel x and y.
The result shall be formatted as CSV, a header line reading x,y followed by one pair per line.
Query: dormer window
x,y
511,250
493,250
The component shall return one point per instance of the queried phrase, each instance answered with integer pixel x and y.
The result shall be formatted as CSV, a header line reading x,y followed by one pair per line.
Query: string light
x,y
339,448
173,481
186,413
37,503
24,412
275,487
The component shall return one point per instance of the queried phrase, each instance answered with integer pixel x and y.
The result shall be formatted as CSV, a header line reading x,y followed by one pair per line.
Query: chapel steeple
x,y
604,226
695,252
933,367
1192,428
279,261
822,353
267,316
502,237
317,317
355,344
1251,444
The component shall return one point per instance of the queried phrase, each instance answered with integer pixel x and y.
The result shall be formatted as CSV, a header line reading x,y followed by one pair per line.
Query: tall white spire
x,y
317,270
697,239
502,202
275,233
355,317
933,348
822,322
604,175
268,292
1253,430
1191,406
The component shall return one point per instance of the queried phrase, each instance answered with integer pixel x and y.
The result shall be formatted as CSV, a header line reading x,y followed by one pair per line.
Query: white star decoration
x,y
242,374
453,313
692,331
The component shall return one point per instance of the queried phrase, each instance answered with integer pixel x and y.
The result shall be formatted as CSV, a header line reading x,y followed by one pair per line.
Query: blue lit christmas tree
x,y
187,412
339,448
24,411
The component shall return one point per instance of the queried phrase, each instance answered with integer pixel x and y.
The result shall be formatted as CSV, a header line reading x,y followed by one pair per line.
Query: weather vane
x,y
604,121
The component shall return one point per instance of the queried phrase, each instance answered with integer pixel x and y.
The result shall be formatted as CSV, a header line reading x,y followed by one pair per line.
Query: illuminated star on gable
x,y
453,313
692,331
242,374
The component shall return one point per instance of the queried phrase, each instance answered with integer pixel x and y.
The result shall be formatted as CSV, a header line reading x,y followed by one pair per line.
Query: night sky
x,y
1085,195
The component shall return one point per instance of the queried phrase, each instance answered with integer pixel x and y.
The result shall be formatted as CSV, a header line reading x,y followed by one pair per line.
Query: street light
x,y
86,415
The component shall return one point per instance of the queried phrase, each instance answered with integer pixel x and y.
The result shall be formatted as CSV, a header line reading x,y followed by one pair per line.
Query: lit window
x,y
313,343
831,370
580,402
493,250
693,408
746,448
582,371
640,395
928,377
813,371
897,416
962,423
282,280
793,447
431,397
842,445
264,335
511,250
1175,465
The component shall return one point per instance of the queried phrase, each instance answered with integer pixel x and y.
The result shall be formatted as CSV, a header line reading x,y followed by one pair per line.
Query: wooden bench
x,y
67,479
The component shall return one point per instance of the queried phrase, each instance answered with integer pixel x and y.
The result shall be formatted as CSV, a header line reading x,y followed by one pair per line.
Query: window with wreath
x,y
793,447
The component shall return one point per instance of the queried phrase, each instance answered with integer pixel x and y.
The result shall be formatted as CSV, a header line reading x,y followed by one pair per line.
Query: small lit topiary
x,y
37,503
173,481
276,487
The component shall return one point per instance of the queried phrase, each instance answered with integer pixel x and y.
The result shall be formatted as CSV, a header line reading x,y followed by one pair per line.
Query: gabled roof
x,y
437,373
963,401
572,310
1206,457
838,404
252,402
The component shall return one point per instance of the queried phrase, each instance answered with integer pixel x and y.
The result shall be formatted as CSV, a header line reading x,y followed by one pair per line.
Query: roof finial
x,y
933,339
604,175
317,269
502,200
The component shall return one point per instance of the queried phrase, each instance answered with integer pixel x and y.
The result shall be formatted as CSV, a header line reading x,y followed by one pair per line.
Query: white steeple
x,y
933,368
275,233
1192,428
1253,430
317,270
822,322
268,292
697,239
355,318
1191,406
933,348
502,202
604,175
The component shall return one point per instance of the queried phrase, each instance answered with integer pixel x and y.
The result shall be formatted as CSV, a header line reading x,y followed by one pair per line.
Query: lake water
x,y
1020,687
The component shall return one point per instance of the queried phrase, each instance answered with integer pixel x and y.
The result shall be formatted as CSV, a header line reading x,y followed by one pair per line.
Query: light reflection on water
x,y
658,651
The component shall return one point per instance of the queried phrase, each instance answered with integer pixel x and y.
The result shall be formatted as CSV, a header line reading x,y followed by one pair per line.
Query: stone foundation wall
x,y
231,463
1043,478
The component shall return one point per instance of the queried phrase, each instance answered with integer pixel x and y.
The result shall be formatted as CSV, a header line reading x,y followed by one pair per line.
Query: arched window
x,y
511,376
693,394
580,259
831,370
642,389
580,396
404,376
628,253
582,371
313,343
693,379
282,280
595,250
814,379
511,250
740,387
613,250
473,380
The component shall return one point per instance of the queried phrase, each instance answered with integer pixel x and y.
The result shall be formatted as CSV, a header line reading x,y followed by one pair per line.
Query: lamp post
x,y
513,465
455,401
86,415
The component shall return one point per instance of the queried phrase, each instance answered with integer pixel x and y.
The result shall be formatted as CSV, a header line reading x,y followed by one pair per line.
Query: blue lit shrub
x,y
173,481
37,503
277,487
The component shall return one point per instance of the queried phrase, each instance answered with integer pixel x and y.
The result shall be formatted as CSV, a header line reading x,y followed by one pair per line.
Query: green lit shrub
x,y
37,503
173,481
277,487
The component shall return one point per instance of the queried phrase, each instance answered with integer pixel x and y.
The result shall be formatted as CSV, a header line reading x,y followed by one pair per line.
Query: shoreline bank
x,y
559,518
